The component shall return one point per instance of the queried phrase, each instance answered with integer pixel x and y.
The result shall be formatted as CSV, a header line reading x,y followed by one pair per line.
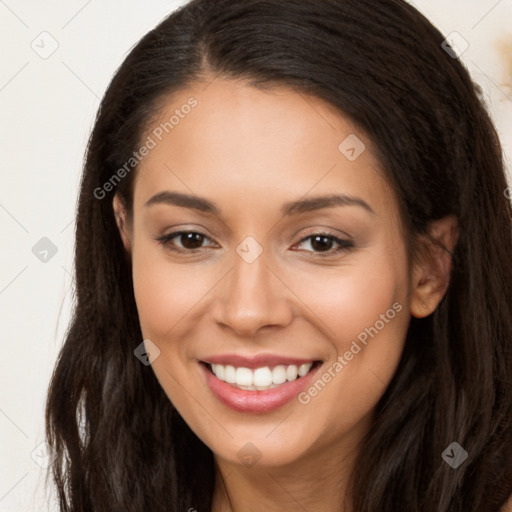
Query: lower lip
x,y
252,400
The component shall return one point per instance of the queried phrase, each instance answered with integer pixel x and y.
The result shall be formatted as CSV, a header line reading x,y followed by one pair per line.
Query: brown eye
x,y
191,240
188,241
324,242
321,243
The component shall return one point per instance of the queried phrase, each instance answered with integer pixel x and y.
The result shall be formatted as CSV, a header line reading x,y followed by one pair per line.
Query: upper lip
x,y
256,361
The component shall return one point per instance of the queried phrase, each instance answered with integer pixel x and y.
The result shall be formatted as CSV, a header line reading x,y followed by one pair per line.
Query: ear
x,y
122,222
432,270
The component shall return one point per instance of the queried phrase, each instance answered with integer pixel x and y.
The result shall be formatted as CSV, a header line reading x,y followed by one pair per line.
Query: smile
x,y
259,389
259,379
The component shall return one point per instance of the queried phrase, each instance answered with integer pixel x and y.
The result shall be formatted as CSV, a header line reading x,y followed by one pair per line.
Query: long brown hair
x,y
120,444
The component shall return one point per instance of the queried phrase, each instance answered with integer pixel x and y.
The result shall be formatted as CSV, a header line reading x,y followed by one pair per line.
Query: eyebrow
x,y
288,209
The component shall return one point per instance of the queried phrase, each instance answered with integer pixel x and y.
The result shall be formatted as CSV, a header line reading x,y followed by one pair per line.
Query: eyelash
x,y
344,245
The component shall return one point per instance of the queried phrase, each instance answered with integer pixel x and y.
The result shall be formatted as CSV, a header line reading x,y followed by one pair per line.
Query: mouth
x,y
261,378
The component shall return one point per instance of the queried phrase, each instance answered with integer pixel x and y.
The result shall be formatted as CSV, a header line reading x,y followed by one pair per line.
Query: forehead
x,y
229,139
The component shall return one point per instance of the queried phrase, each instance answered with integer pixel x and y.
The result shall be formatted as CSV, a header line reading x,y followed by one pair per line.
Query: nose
x,y
252,296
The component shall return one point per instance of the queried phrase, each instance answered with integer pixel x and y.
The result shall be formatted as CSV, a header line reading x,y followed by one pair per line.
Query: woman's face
x,y
270,271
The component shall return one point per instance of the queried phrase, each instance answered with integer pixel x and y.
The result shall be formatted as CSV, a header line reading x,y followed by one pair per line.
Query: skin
x,y
250,151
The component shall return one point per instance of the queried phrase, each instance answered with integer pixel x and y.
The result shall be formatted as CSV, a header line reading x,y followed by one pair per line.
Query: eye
x,y
322,243
191,241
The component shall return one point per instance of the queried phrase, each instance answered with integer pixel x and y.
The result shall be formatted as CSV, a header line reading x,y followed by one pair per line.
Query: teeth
x,y
304,369
291,372
243,377
260,378
229,374
279,374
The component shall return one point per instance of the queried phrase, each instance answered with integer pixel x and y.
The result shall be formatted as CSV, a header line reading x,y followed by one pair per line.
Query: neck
x,y
318,481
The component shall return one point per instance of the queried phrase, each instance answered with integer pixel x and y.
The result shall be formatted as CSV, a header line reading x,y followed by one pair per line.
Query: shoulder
x,y
508,506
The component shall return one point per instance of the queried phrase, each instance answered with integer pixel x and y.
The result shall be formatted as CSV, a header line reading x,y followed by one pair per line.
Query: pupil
x,y
189,239
321,246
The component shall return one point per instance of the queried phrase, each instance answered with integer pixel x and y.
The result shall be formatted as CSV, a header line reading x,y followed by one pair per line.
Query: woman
x,y
293,273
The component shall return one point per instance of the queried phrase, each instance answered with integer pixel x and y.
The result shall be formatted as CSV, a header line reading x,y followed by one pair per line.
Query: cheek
x,y
364,307
348,299
164,292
